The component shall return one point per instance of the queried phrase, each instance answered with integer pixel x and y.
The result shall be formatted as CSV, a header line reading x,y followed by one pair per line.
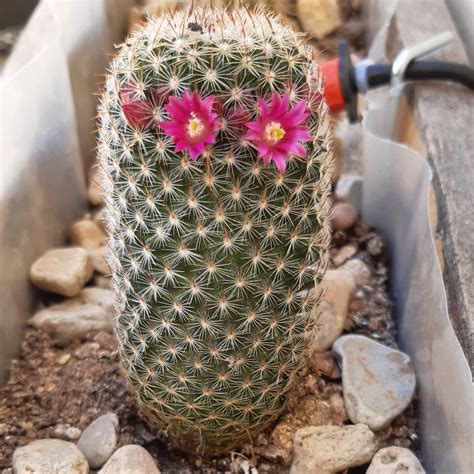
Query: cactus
x,y
215,159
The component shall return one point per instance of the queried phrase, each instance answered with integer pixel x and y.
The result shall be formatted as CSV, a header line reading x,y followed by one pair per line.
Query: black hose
x,y
379,74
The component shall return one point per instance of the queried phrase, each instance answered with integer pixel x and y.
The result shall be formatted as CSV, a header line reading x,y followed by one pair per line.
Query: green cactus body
x,y
212,259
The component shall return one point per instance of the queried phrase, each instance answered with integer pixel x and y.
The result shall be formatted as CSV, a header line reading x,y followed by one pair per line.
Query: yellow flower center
x,y
274,132
195,126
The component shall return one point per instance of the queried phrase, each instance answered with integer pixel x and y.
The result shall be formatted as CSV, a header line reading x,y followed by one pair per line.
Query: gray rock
x,y
86,234
64,271
349,188
91,310
338,287
130,459
329,449
395,460
99,439
49,456
378,382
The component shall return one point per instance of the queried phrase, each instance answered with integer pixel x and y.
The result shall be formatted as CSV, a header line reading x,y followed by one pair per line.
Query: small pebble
x,y
329,449
345,253
99,260
99,439
343,216
64,359
330,316
45,456
395,460
359,270
63,271
378,382
95,191
130,459
86,234
91,310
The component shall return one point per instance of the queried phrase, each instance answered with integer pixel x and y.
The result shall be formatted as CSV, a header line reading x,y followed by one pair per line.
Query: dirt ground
x,y
53,388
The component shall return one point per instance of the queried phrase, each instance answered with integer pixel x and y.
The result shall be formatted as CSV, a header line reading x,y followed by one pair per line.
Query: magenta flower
x,y
278,131
191,124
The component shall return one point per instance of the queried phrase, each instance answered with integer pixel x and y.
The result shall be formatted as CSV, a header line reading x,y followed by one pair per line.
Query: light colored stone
x,y
95,192
102,281
130,459
98,257
338,287
349,189
329,449
99,439
66,432
49,456
395,460
64,271
319,17
345,253
91,310
86,234
359,270
343,216
378,382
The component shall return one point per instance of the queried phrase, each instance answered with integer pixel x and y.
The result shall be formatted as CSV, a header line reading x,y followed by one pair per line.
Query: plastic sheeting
x,y
46,111
395,201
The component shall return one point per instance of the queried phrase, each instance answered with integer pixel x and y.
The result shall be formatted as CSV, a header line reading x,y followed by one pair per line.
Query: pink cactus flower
x,y
278,132
138,112
192,123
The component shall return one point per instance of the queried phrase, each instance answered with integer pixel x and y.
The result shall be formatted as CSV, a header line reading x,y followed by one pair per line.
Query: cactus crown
x,y
213,245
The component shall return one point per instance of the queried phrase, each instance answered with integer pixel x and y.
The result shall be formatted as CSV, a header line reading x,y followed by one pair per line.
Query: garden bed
x,y
56,392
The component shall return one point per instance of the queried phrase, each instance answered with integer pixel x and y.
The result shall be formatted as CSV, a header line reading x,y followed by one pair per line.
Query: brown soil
x,y
53,388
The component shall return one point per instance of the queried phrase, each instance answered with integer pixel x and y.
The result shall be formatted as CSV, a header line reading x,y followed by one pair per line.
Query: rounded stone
x,y
343,216
330,449
338,287
91,310
86,234
130,459
64,271
319,17
49,456
378,382
395,460
99,439
359,270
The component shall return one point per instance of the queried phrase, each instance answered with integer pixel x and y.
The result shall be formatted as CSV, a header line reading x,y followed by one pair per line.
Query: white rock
x,y
395,460
349,188
359,270
98,257
64,271
319,17
329,449
91,310
86,234
378,382
130,459
99,439
49,456
339,287
95,191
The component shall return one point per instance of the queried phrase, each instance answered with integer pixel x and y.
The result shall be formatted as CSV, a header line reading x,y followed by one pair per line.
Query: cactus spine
x,y
213,248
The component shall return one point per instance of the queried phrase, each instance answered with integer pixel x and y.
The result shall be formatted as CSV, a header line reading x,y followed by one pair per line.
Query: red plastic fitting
x,y
332,85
